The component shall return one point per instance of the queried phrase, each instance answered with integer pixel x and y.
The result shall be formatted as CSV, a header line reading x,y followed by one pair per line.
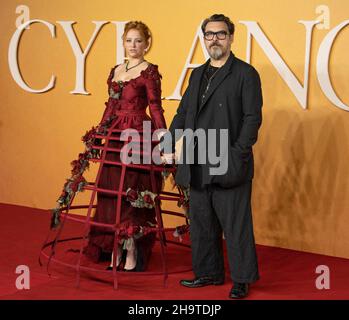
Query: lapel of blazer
x,y
217,80
196,85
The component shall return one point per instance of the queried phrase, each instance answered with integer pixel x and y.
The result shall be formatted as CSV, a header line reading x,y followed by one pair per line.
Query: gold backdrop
x,y
301,185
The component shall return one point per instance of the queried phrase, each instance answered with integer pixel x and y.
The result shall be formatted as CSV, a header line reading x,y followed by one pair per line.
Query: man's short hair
x,y
219,17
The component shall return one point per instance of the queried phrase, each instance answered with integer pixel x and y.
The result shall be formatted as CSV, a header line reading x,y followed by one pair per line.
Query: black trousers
x,y
212,210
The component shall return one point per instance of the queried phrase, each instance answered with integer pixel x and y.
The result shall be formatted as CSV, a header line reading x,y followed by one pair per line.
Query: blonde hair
x,y
140,26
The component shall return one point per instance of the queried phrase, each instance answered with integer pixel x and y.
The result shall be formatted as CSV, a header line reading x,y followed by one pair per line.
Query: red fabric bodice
x,y
128,100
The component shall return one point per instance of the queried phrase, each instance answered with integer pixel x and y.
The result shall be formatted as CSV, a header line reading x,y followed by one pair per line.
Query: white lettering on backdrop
x,y
253,30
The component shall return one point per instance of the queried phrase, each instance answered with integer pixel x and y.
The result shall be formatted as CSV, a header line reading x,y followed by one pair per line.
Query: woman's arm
x,y
153,89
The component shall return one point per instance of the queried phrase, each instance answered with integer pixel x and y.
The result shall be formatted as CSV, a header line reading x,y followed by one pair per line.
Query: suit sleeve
x,y
252,102
168,141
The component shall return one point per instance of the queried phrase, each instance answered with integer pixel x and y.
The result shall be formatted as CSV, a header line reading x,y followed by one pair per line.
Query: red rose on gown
x,y
134,95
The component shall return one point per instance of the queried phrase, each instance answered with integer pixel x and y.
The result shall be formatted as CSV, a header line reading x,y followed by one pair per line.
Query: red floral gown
x,y
126,108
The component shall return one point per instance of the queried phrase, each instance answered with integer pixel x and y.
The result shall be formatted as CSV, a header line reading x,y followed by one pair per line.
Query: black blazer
x,y
236,96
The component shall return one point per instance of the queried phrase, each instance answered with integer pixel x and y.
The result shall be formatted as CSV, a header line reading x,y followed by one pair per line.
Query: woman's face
x,y
135,44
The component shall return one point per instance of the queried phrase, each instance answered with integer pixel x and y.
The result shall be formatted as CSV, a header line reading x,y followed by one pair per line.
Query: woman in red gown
x,y
132,87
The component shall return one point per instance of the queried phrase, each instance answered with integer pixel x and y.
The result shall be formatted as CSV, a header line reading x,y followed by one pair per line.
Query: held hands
x,y
168,158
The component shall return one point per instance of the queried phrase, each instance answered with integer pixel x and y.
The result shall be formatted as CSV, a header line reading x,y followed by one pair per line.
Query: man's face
x,y
218,40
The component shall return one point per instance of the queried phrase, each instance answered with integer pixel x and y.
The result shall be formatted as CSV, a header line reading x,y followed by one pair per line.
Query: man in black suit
x,y
223,94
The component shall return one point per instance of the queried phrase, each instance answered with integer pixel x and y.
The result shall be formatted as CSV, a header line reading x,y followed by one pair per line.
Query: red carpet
x,y
285,274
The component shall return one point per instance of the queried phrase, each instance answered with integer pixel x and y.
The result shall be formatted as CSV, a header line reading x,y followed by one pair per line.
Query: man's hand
x,y
168,158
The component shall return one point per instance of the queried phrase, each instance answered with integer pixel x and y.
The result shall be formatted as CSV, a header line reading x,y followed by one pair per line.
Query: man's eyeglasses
x,y
220,35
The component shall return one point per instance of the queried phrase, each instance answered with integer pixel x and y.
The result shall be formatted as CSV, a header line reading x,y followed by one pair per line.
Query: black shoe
x,y
109,268
201,282
239,290
121,263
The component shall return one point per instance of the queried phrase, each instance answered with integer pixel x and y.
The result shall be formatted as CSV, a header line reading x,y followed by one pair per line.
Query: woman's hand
x,y
168,158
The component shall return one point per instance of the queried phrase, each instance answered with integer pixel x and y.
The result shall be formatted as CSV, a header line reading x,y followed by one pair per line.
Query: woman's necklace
x,y
127,68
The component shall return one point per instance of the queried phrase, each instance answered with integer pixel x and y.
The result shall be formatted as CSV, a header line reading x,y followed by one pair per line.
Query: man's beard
x,y
217,52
